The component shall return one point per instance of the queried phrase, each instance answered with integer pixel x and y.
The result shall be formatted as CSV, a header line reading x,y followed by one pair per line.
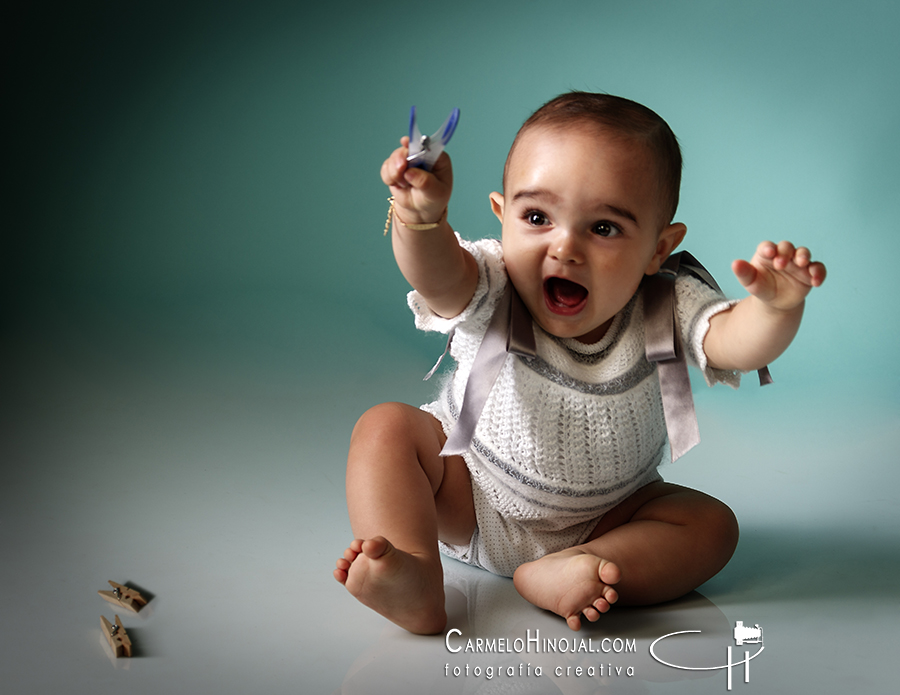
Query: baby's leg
x,y
402,497
657,545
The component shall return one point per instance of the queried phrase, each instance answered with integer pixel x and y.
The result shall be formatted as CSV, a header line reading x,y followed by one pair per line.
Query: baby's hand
x,y
420,197
781,276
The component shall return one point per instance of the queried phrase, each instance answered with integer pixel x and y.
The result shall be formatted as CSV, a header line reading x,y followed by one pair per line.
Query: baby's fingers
x,y
394,167
744,272
784,255
766,251
817,273
814,269
780,274
802,257
798,263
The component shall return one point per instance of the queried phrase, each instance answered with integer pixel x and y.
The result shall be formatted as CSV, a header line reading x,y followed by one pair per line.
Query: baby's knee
x,y
396,427
722,526
382,420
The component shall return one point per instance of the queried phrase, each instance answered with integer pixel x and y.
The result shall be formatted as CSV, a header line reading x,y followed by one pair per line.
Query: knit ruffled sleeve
x,y
492,281
697,303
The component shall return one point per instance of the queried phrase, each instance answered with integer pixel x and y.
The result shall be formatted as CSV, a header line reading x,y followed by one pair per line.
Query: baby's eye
x,y
606,229
535,218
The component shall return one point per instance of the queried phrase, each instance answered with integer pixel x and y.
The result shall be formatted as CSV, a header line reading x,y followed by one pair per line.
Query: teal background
x,y
198,303
183,159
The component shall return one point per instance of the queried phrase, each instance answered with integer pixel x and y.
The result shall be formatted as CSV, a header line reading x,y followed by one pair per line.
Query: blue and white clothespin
x,y
423,150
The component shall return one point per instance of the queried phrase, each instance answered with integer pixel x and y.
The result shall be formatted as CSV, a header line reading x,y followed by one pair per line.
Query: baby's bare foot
x,y
406,588
569,583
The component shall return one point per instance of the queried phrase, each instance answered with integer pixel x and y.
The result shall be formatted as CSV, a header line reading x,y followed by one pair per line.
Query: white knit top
x,y
566,435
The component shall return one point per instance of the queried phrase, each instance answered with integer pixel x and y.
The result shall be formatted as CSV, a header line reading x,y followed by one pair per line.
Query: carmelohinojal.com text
x,y
534,644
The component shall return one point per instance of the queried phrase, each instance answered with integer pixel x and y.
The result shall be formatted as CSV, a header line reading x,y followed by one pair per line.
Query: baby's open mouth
x,y
564,294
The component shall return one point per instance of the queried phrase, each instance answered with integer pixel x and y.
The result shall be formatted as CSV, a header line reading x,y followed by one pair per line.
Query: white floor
x,y
207,470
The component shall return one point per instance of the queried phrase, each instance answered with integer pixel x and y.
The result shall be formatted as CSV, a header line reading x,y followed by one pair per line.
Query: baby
x,y
559,486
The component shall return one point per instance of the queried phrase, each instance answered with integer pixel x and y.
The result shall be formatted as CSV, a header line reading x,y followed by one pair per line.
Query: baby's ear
x,y
497,205
668,241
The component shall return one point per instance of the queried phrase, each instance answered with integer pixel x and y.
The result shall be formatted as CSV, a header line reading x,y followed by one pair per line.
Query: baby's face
x,y
581,226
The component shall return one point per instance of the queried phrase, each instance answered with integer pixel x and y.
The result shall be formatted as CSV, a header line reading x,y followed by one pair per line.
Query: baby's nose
x,y
566,247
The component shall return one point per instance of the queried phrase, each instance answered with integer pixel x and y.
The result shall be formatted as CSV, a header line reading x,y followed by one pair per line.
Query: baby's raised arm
x,y
759,328
430,259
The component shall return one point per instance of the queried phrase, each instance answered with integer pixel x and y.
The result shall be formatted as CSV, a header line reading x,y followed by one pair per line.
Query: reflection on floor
x,y
495,642
823,636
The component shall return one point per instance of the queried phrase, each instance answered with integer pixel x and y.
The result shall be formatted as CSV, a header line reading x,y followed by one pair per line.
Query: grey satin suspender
x,y
510,331
662,341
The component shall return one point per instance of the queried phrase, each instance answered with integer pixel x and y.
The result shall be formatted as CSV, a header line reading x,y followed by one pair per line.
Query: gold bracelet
x,y
414,227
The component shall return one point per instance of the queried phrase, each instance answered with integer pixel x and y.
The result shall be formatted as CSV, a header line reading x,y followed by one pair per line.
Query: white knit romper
x,y
566,435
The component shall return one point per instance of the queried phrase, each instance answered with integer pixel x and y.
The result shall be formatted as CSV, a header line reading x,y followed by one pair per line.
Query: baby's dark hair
x,y
625,117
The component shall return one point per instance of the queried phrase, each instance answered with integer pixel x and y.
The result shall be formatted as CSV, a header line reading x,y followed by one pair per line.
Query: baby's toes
x,y
609,572
610,595
601,605
592,614
341,568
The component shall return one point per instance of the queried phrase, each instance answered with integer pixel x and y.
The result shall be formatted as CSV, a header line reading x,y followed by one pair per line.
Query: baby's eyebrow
x,y
535,193
622,212
544,194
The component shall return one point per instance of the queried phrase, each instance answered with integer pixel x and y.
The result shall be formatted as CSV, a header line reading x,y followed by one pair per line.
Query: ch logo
x,y
742,635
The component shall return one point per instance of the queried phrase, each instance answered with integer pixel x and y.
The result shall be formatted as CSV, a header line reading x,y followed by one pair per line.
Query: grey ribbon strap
x,y
443,355
510,331
663,346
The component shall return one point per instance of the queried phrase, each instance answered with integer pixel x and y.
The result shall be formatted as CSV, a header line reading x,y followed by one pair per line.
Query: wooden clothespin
x,y
116,636
125,597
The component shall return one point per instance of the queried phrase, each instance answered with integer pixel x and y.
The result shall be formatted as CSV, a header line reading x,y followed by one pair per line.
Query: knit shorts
x,y
500,544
